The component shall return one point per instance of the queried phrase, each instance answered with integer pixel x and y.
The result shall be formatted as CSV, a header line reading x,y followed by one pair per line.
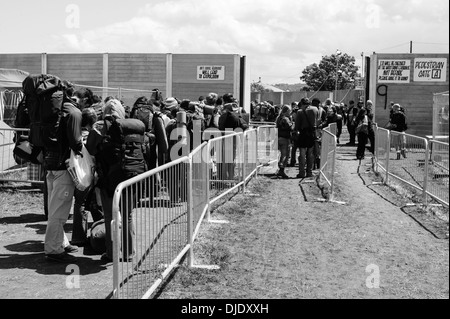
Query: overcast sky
x,y
278,37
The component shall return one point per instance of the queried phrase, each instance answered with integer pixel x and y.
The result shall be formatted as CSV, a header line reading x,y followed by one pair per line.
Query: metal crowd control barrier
x,y
162,231
226,157
257,124
12,171
414,161
438,172
250,154
382,152
328,159
267,137
157,215
332,128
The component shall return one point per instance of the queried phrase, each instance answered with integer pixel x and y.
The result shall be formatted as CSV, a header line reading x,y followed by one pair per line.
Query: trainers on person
x,y
403,152
71,249
61,258
398,155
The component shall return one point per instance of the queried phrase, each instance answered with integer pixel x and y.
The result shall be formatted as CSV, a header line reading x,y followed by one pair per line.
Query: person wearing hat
x,y
306,123
170,104
230,121
114,110
398,124
285,126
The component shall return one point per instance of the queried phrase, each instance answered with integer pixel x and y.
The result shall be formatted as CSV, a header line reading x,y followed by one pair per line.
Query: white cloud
x,y
279,37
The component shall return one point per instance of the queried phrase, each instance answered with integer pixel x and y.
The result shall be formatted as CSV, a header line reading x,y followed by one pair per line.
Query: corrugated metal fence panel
x,y
137,71
30,63
83,68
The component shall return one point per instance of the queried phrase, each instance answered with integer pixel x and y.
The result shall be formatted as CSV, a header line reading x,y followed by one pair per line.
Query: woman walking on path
x,y
285,126
362,131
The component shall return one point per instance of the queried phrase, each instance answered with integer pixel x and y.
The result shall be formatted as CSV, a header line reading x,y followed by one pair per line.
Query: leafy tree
x,y
323,76
257,87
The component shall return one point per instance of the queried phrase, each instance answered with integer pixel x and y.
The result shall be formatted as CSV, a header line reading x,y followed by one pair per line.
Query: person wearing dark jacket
x,y
370,116
60,185
351,116
398,124
232,122
285,126
306,123
362,130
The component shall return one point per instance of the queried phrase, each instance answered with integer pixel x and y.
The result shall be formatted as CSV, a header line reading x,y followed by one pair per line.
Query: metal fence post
x,y
333,167
244,160
208,180
377,138
207,160
425,179
190,213
388,155
257,150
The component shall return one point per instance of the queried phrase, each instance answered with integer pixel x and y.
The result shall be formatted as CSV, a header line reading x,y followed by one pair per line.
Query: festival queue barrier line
x,y
10,170
438,171
328,158
267,147
169,203
422,169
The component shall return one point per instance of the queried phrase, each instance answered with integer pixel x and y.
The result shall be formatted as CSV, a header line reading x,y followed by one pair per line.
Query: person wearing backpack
x,y
109,141
85,201
60,186
285,126
155,122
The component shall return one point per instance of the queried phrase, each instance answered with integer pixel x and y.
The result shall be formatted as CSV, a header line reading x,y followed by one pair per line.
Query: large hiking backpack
x,y
43,100
143,112
121,153
22,117
155,132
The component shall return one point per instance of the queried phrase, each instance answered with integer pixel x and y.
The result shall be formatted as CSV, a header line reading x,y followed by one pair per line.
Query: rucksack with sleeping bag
x,y
121,153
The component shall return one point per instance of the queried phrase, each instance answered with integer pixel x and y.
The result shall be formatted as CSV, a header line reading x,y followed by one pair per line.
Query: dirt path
x,y
284,243
290,245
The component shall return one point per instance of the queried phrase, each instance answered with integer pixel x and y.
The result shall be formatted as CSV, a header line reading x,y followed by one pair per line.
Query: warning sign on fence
x,y
210,72
394,71
430,70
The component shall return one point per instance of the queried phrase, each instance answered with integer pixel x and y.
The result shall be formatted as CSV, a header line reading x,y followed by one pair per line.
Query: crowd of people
x,y
300,127
86,121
